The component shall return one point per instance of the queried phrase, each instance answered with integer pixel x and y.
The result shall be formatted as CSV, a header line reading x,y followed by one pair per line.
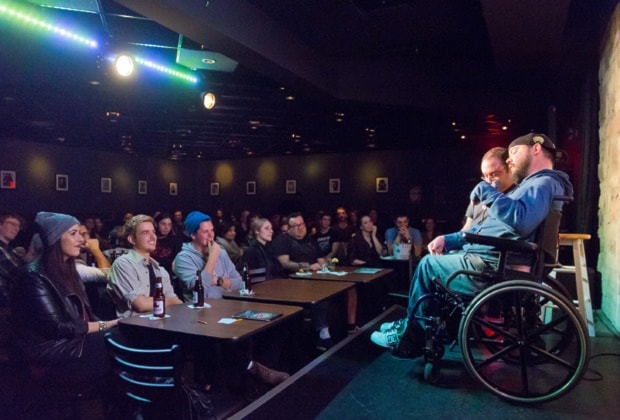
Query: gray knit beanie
x,y
53,225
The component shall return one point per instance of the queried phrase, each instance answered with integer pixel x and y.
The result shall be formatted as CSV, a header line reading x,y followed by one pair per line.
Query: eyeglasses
x,y
297,226
492,176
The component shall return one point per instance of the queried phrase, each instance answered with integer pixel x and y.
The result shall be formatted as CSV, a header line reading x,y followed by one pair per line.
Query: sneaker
x,y
352,329
269,376
388,339
394,325
324,344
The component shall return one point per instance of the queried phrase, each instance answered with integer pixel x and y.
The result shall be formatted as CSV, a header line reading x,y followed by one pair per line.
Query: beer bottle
x,y
159,301
246,278
199,291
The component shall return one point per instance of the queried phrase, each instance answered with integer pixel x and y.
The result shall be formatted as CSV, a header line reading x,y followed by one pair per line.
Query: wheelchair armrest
x,y
501,243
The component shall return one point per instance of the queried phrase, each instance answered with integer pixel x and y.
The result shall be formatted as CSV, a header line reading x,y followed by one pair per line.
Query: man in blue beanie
x,y
217,272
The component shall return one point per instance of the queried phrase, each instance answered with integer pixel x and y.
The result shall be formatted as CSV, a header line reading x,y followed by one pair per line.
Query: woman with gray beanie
x,y
56,332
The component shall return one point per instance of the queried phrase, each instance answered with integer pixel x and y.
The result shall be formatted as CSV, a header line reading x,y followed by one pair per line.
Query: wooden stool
x,y
580,270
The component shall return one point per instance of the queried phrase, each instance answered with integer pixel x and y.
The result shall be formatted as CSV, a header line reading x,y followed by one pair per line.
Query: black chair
x,y
149,381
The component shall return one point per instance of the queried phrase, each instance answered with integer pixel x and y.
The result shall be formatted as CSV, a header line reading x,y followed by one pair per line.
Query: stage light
x,y
124,65
31,19
208,100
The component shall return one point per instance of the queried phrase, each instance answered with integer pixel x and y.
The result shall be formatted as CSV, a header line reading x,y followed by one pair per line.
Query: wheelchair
x,y
521,337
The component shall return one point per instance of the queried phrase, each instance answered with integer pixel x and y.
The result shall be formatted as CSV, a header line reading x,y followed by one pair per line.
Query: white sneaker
x,y
388,339
399,324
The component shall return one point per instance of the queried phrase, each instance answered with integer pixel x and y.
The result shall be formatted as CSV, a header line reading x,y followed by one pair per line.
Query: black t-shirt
x,y
324,242
297,250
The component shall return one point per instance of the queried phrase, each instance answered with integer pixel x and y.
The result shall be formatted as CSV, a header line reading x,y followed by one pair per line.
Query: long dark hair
x,y
62,272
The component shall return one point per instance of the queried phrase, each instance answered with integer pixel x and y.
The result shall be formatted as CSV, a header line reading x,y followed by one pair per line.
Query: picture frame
x,y
106,185
142,187
173,188
62,182
334,185
250,188
291,186
215,188
8,180
382,185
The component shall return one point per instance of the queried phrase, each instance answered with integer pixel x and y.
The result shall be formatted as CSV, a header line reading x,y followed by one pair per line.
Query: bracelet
x,y
102,326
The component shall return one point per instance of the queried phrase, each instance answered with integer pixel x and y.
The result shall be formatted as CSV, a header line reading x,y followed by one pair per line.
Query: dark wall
x,y
446,177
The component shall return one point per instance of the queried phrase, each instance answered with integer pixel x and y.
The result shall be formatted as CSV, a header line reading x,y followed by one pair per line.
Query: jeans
x,y
442,266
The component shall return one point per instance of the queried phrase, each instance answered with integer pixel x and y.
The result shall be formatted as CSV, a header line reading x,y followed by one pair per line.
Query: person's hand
x,y
374,230
214,250
315,267
437,245
91,244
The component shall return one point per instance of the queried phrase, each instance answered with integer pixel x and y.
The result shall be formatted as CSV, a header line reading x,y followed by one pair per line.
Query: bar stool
x,y
580,270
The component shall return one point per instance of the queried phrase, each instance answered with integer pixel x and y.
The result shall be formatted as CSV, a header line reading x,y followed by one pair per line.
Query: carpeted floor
x,y
362,381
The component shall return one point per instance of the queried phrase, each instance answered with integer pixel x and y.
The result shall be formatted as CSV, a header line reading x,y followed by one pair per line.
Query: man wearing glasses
x,y
295,252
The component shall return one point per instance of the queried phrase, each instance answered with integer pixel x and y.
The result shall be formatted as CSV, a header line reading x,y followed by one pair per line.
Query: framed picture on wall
x,y
291,186
382,185
334,186
250,188
62,182
106,185
215,188
142,187
172,188
8,179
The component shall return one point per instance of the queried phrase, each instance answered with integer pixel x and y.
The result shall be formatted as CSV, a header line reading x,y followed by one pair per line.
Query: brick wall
x,y
608,171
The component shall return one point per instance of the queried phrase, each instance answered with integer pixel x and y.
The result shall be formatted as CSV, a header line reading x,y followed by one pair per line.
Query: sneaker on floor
x,y
394,325
269,376
352,329
324,344
388,339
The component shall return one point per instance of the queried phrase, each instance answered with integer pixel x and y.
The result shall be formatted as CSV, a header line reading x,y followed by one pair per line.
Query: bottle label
x,y
158,308
195,298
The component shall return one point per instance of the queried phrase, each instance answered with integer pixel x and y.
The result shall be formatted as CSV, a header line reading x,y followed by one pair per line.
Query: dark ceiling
x,y
364,74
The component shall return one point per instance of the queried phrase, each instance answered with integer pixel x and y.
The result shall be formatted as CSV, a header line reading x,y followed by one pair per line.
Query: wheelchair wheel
x,y
534,350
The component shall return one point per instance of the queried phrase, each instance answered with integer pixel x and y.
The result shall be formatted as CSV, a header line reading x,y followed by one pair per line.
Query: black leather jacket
x,y
48,324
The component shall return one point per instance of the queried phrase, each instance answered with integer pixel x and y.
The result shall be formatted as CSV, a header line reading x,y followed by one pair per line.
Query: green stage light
x,y
30,19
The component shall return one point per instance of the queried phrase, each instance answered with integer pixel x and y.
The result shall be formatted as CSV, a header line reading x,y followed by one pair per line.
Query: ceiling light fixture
x,y
124,65
208,100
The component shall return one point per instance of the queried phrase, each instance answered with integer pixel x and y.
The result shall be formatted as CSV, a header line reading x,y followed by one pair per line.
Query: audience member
x,y
226,234
344,230
168,244
325,238
178,228
514,215
133,275
218,273
118,236
365,248
294,252
429,232
55,330
204,254
10,260
91,264
259,255
243,228
403,233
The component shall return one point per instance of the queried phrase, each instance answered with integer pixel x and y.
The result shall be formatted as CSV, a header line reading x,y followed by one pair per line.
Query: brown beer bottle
x,y
199,291
159,300
246,278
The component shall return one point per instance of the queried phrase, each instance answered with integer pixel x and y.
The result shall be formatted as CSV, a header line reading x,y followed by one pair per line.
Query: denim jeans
x,y
442,266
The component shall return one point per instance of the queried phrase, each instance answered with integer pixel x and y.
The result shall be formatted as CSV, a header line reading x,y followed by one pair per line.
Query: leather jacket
x,y
48,323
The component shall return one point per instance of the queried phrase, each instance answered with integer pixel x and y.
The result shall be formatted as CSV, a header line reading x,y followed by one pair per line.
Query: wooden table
x,y
351,275
292,292
184,320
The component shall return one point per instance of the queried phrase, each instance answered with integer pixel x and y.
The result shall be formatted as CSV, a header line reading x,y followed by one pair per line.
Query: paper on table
x,y
228,321
191,306
335,273
152,317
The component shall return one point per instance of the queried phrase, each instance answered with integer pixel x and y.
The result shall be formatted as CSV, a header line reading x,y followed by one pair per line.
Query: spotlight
x,y
208,100
124,65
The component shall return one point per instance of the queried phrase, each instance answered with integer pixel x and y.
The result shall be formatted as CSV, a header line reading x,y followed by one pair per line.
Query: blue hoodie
x,y
517,214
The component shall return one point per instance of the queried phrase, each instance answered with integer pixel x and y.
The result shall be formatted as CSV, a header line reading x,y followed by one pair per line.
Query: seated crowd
x,y
55,328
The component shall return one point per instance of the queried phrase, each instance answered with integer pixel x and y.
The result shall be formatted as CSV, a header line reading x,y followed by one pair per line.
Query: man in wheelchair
x,y
513,215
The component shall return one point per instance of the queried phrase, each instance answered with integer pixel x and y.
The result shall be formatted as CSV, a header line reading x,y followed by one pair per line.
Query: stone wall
x,y
608,171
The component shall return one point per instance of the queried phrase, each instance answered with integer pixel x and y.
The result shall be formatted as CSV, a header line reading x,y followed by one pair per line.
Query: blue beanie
x,y
53,225
193,221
